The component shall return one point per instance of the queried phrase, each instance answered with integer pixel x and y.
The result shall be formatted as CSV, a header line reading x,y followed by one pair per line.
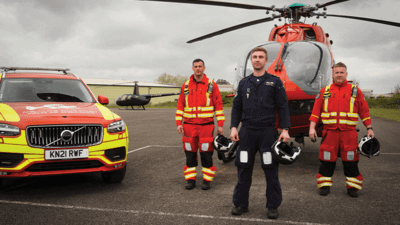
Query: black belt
x,y
210,123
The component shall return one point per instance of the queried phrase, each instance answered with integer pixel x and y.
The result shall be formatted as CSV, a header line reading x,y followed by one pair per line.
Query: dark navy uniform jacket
x,y
256,103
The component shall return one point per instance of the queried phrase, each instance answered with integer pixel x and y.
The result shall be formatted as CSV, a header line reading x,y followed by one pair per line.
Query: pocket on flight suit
x,y
327,151
206,144
243,152
267,160
349,152
188,145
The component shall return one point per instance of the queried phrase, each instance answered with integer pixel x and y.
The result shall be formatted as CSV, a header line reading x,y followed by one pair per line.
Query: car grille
x,y
50,136
64,166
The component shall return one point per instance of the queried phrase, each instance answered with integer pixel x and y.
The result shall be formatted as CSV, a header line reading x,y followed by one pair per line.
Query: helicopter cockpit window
x,y
245,68
308,65
272,50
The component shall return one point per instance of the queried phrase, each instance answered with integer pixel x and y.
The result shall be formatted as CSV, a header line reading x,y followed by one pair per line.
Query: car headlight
x,y
115,127
9,130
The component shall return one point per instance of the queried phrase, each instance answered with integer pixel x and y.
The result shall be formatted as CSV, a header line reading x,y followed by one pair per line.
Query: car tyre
x,y
114,176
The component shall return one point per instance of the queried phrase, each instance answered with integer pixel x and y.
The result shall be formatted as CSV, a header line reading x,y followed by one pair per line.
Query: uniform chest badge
x,y
326,95
269,83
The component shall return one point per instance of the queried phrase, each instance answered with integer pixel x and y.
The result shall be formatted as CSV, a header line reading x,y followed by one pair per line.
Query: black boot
x,y
206,185
239,210
352,192
324,191
273,213
190,184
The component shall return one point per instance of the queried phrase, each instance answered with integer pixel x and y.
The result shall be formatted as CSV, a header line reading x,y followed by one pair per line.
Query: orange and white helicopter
x,y
298,53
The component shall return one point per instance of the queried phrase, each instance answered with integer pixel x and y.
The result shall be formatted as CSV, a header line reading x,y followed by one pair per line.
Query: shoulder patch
x,y
319,94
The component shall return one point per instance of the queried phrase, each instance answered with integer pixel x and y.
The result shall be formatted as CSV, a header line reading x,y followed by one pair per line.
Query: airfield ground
x,y
153,190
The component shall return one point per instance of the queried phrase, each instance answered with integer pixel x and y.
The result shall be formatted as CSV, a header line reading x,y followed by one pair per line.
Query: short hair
x,y
198,60
340,64
260,49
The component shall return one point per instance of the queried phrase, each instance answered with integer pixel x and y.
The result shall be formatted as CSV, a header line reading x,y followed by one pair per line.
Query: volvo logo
x,y
66,135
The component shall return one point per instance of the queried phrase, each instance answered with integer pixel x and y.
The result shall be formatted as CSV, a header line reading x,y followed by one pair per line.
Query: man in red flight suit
x,y
338,107
199,99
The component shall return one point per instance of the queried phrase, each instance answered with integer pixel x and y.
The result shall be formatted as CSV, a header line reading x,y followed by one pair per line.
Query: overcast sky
x,y
140,40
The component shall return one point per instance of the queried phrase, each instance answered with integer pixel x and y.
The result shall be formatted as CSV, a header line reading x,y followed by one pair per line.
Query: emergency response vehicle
x,y
52,124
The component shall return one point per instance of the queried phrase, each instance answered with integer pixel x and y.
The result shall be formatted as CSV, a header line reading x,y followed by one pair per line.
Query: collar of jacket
x,y
262,78
204,80
340,85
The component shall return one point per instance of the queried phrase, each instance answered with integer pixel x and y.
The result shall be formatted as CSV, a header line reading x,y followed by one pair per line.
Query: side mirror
x,y
103,99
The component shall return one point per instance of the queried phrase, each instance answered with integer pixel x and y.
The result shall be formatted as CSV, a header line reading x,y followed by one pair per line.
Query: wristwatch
x,y
286,129
369,128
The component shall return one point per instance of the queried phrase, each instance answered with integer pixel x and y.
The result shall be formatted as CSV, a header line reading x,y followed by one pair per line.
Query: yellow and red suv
x,y
51,123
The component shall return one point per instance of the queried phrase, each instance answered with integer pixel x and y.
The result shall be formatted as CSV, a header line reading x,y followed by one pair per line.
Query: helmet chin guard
x,y
369,147
284,153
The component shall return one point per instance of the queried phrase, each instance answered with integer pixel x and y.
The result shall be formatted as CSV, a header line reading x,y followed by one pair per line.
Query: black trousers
x,y
328,168
252,141
206,159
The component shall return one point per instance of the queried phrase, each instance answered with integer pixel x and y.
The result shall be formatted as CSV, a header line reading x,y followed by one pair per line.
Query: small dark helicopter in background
x,y
298,53
136,99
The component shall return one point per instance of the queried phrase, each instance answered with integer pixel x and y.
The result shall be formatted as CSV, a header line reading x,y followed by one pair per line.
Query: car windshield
x,y
43,90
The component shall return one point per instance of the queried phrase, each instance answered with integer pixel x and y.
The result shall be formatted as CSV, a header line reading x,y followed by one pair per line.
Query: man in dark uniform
x,y
258,98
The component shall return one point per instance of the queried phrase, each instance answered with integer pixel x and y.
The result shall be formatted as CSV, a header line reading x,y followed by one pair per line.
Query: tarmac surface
x,y
153,189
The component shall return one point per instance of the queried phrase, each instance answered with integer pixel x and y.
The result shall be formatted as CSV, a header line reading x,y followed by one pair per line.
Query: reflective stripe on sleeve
x,y
178,118
179,112
366,119
315,116
219,112
220,118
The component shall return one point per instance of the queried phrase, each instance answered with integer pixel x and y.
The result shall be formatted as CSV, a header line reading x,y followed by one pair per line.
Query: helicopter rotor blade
x,y
331,3
251,23
216,3
368,19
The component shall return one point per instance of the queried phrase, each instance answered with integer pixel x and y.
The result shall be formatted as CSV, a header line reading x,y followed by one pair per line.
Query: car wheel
x,y
114,176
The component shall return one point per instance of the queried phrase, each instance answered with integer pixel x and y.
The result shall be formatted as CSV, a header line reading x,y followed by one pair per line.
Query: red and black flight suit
x,y
338,107
197,104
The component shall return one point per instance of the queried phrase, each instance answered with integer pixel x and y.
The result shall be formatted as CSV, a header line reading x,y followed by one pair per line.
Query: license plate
x,y
67,154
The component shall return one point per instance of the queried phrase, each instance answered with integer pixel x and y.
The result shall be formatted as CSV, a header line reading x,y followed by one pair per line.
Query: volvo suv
x,y
52,124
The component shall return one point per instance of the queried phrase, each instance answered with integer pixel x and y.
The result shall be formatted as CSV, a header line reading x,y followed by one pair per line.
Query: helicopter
x,y
299,53
136,99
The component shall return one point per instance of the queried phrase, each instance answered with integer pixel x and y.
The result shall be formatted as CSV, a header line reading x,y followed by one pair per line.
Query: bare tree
x,y
397,89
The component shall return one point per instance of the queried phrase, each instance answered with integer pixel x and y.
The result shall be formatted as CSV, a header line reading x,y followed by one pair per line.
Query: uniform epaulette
x,y
274,75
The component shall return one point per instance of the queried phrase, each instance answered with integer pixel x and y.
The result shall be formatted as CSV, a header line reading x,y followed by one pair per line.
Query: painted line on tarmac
x,y
153,213
148,146
390,153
